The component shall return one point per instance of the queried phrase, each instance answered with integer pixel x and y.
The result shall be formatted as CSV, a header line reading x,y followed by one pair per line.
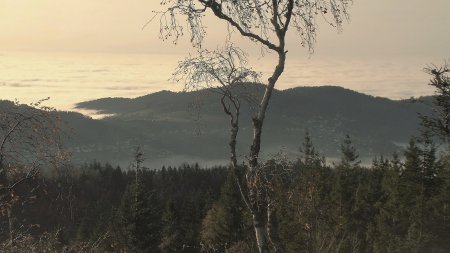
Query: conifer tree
x,y
420,184
390,215
439,121
310,157
225,223
347,190
170,231
349,157
442,211
138,218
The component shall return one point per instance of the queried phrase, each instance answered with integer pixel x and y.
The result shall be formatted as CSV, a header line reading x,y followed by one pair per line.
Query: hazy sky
x,y
378,28
78,50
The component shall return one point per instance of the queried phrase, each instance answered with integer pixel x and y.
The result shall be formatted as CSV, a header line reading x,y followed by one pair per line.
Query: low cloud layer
x,y
69,79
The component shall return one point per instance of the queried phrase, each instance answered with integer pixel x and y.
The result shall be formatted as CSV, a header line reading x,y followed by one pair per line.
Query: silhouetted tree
x,y
225,223
439,120
29,141
266,23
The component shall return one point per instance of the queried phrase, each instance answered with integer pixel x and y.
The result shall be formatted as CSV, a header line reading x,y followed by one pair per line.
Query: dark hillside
x,y
174,127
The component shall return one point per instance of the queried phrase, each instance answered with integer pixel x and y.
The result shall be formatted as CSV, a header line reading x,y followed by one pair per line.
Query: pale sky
x,y
75,51
378,28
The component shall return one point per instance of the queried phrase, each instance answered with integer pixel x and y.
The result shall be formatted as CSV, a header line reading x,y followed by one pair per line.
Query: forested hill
x,y
176,127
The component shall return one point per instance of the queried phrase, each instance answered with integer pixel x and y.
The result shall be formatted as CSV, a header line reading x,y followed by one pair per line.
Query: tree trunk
x,y
261,240
2,171
10,223
258,120
256,200
272,229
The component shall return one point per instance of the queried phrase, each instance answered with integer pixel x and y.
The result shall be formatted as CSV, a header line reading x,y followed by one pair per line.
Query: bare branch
x,y
265,22
221,70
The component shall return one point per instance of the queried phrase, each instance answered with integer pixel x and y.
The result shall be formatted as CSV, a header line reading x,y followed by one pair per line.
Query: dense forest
x,y
301,170
392,206
397,204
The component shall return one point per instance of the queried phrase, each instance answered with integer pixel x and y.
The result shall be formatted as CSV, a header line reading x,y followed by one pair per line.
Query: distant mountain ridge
x,y
176,127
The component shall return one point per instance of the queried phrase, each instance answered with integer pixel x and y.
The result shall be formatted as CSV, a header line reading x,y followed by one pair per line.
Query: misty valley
x,y
187,127
224,126
152,176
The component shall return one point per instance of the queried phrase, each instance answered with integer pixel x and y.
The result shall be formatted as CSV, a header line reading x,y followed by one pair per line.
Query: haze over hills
x,y
177,127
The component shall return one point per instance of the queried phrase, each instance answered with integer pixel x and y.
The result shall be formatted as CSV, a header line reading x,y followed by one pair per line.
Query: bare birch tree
x,y
29,140
222,71
265,22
